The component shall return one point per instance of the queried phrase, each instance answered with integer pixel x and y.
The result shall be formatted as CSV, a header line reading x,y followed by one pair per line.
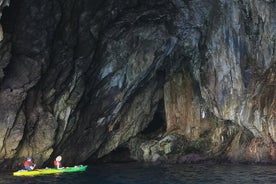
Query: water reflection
x,y
156,174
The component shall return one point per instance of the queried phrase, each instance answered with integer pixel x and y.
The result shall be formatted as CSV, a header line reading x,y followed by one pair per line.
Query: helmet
x,y
29,158
58,158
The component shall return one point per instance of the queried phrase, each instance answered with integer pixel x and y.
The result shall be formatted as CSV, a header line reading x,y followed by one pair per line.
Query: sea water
x,y
137,173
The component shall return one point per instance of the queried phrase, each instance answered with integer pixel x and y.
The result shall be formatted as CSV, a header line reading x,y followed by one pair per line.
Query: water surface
x,y
136,173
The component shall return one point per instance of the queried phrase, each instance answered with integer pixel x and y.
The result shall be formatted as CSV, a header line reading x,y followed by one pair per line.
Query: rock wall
x,y
166,81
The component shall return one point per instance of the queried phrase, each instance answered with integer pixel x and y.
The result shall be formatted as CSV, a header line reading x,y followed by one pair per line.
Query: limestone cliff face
x,y
167,80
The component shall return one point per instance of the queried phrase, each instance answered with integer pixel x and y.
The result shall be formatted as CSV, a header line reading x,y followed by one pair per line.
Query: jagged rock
x,y
170,80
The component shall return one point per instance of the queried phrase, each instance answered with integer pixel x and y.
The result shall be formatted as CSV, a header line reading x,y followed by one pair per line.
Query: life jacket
x,y
55,163
28,163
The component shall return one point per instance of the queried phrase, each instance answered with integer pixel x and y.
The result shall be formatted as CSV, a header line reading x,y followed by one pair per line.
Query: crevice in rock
x,y
158,124
9,16
121,154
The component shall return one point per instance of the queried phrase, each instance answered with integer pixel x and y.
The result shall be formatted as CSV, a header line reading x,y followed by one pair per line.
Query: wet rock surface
x,y
157,81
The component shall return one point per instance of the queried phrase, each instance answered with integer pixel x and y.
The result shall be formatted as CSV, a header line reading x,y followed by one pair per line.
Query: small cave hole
x,y
155,125
119,155
158,123
9,16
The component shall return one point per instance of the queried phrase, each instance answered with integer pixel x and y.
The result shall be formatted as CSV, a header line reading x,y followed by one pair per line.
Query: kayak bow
x,y
50,171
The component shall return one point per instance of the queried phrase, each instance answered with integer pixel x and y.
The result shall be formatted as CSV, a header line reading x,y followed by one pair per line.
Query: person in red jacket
x,y
57,162
29,165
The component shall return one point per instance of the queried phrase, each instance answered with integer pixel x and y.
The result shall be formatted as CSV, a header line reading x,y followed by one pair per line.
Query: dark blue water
x,y
131,173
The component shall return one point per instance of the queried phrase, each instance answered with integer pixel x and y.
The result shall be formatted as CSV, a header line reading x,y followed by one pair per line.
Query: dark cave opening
x,y
119,155
9,16
154,129
158,123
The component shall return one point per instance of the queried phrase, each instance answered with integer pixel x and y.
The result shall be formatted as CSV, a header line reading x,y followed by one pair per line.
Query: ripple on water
x,y
137,173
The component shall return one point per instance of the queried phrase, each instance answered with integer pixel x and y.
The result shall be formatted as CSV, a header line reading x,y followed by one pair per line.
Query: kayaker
x,y
57,162
29,165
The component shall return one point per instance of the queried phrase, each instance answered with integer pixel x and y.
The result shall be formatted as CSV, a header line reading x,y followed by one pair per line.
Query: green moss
x,y
200,145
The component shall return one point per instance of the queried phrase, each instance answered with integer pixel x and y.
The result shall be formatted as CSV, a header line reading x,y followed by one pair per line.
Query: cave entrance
x,y
158,124
119,155
155,128
9,16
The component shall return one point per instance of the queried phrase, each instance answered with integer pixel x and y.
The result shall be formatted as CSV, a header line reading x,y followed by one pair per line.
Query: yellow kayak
x,y
50,171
